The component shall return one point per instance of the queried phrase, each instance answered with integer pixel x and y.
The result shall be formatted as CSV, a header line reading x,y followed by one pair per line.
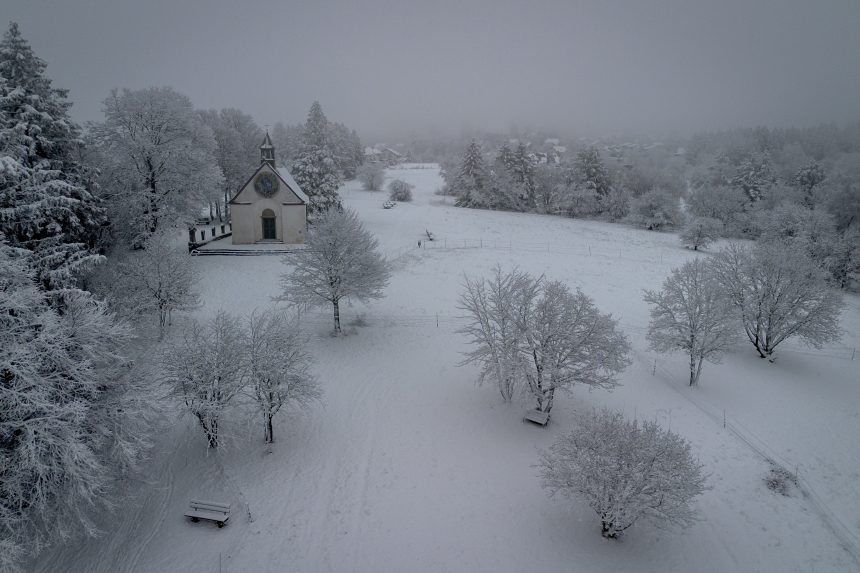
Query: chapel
x,y
270,207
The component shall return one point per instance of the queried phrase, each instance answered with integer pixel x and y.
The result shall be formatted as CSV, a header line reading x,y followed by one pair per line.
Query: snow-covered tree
x,y
754,176
341,262
692,314
721,202
779,293
655,210
808,178
591,173
492,306
156,281
701,232
470,183
399,190
566,339
207,369
46,194
279,367
537,332
797,227
66,409
159,161
237,150
625,471
315,169
346,149
287,140
372,176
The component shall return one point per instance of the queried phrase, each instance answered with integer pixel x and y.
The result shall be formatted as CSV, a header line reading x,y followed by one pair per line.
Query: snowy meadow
x,y
409,465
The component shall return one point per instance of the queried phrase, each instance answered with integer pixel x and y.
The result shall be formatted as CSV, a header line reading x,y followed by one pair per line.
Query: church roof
x,y
267,142
291,183
284,175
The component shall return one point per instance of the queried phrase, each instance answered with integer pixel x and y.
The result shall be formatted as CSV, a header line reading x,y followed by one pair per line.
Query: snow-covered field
x,y
409,466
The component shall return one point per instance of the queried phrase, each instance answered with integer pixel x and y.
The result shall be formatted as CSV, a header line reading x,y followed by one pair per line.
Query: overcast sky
x,y
390,68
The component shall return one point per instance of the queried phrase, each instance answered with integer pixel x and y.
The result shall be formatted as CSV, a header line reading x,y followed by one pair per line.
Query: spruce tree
x,y
46,200
591,173
315,169
471,180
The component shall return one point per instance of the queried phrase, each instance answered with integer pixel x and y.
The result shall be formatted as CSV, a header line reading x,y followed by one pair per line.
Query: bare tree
x,y
625,471
206,370
372,176
566,339
692,314
157,280
279,367
701,232
527,329
780,293
491,306
341,262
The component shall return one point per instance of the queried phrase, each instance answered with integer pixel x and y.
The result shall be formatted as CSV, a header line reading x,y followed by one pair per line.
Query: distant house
x,y
382,154
270,206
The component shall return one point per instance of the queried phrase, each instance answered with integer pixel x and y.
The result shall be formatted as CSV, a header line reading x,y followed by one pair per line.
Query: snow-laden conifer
x,y
315,168
46,200
69,425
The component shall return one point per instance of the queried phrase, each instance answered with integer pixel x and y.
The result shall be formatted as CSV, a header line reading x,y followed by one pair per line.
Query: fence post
x,y
654,369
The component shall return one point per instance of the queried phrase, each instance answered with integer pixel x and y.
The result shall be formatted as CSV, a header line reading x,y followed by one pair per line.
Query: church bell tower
x,y
267,152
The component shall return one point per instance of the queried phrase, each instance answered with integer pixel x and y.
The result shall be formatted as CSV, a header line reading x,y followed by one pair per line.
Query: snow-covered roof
x,y
559,148
551,141
291,183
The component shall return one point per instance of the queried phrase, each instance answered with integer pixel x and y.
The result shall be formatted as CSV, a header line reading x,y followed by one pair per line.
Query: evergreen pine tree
x,y
591,173
471,180
46,200
315,169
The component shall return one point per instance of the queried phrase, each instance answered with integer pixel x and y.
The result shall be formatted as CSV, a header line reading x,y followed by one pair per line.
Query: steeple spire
x,y
267,151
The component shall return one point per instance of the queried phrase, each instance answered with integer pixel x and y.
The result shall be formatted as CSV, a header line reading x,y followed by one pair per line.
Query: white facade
x,y
278,213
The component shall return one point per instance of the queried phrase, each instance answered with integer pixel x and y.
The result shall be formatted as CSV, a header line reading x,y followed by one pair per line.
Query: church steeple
x,y
267,151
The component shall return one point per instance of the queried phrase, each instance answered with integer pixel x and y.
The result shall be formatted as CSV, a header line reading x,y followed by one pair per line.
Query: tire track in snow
x,y
163,511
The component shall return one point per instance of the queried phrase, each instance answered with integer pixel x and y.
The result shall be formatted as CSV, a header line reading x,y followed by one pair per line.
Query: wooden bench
x,y
217,512
537,417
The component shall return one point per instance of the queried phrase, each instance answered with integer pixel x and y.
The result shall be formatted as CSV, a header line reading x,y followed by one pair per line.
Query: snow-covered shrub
x,y
399,190
625,470
655,210
371,176
701,232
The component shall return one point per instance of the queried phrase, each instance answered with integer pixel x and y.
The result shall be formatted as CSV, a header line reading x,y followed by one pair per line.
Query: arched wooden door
x,y
269,228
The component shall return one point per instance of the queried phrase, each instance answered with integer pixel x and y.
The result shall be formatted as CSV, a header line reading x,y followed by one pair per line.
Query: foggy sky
x,y
393,68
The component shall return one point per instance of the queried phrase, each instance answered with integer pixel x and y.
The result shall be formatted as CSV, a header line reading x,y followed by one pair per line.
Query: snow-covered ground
x,y
411,467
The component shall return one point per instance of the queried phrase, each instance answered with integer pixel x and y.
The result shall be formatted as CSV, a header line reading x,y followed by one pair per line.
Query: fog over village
x,y
439,286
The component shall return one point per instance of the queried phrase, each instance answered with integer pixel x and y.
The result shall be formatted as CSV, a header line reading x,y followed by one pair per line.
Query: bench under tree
x,y
211,510
536,417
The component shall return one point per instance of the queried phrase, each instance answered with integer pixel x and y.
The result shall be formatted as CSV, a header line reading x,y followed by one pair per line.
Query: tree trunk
x,y
694,377
212,433
270,436
336,305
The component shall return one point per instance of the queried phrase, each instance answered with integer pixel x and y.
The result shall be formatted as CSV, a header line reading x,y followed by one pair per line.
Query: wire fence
x,y
848,539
